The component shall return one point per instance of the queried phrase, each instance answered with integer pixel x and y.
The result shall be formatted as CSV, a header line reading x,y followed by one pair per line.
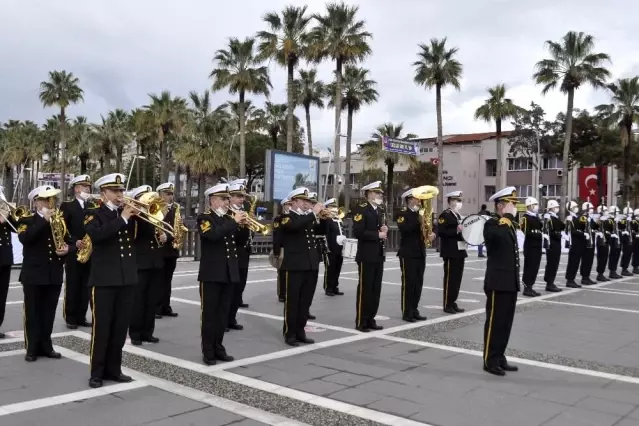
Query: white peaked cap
x,y
44,191
552,204
221,189
166,187
330,201
80,180
530,201
373,186
408,193
301,192
454,194
136,192
113,181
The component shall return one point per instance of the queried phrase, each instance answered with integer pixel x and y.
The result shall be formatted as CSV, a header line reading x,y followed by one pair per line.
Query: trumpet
x,y
9,211
150,208
251,222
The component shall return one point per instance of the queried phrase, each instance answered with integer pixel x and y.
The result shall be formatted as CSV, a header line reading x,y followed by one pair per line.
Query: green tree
x,y
286,42
438,68
418,174
61,89
572,64
498,108
81,140
340,36
310,92
274,120
240,71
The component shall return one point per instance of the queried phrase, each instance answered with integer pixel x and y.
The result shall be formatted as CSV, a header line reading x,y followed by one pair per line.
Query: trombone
x,y
150,208
9,212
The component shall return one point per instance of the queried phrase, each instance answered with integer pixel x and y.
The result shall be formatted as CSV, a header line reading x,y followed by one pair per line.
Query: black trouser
x,y
500,313
575,257
299,294
112,308
553,255
453,273
147,292
314,278
613,257
532,260
40,303
5,277
164,303
586,262
369,290
215,301
412,282
76,291
281,284
602,258
332,271
626,252
635,252
236,299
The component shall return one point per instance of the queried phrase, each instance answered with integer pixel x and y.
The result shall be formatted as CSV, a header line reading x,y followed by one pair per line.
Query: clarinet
x,y
384,224
546,231
589,232
569,226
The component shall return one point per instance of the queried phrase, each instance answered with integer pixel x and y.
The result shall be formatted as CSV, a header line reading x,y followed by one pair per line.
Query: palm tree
x,y
239,70
286,42
358,90
81,142
373,152
310,92
61,90
438,68
497,108
571,65
624,110
275,117
341,37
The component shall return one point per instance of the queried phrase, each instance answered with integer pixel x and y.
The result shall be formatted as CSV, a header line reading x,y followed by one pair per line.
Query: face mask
x,y
45,210
221,211
378,201
574,209
458,205
510,209
535,209
591,211
237,206
414,208
84,195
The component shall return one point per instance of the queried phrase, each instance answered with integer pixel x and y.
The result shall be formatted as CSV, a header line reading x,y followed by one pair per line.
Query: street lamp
x,y
128,179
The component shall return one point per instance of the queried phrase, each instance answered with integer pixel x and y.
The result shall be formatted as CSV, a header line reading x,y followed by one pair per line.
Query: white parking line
x,y
424,287
581,305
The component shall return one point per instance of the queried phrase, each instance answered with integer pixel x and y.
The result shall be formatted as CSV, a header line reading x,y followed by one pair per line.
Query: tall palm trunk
x,y
163,152
290,105
307,107
189,188
178,182
8,181
242,136
119,154
440,147
63,152
390,199
201,183
501,182
84,159
347,171
338,112
626,164
564,177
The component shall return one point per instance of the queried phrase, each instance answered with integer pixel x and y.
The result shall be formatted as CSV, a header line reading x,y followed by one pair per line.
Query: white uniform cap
x,y
601,209
301,192
238,187
636,212
44,191
530,201
373,186
407,194
136,192
221,190
587,205
454,194
112,181
552,204
285,201
80,180
627,210
165,187
330,202
613,209
570,205
508,194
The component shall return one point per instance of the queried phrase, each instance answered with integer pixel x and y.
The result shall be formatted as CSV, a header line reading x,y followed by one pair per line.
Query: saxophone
x,y
84,253
179,230
58,229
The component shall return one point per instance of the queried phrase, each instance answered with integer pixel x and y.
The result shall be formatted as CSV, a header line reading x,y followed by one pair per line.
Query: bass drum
x,y
473,229
350,248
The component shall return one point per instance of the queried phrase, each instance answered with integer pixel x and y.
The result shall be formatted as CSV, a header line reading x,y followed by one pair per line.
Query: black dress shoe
x,y
244,305
304,339
497,371
158,316
341,293
419,317
236,327
72,326
311,316
552,288
52,355
329,293
281,299
2,335
151,339
30,358
572,284
226,330
95,382
120,378
509,367
626,273
614,275
375,327
587,281
85,323
363,329
458,309
450,310
136,342
291,341
224,357
601,278
529,292
208,360
408,319
169,313
635,270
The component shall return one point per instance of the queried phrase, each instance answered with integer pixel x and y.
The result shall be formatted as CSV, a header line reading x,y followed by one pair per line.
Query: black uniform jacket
x,y
277,234
219,261
331,230
73,214
113,260
448,235
411,243
150,254
366,224
555,228
167,248
298,236
243,239
580,230
607,226
531,225
40,264
6,248
502,267
634,227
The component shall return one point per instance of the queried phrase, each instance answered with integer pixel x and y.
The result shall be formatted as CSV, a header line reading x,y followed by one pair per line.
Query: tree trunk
x,y
440,148
242,136
63,152
626,166
188,211
347,167
338,112
178,182
8,181
200,190
599,185
564,177
163,156
308,129
119,153
501,182
84,159
390,199
290,106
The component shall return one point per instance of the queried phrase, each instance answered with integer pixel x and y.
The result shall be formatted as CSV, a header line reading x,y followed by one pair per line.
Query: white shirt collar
x,y
553,214
81,201
529,213
40,213
110,206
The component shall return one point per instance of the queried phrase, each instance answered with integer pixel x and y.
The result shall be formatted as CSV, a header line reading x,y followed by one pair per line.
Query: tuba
x,y
425,194
179,230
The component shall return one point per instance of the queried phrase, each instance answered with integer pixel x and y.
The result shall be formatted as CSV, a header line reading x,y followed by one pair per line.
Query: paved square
x,y
578,353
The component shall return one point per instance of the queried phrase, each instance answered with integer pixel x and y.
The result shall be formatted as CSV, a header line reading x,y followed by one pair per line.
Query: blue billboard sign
x,y
285,171
400,146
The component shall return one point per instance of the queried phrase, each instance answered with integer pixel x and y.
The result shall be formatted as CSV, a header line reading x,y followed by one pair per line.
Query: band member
x,y
76,290
112,280
412,257
555,228
576,245
243,239
612,226
635,242
219,272
452,250
602,228
300,264
278,248
335,241
584,226
319,233
369,227
501,282
531,225
41,274
7,226
148,241
171,254
625,225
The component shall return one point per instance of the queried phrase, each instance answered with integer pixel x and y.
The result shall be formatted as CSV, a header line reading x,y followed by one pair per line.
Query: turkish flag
x,y
588,183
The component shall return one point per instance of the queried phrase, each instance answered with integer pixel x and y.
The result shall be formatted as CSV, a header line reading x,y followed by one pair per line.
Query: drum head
x,y
473,229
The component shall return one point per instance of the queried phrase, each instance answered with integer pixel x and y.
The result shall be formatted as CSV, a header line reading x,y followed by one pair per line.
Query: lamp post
x,y
128,179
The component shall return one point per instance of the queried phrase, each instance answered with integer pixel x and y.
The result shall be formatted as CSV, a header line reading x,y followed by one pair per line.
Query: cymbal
x,y
425,192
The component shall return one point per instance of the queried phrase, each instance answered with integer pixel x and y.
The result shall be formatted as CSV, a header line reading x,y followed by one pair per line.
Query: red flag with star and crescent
x,y
588,184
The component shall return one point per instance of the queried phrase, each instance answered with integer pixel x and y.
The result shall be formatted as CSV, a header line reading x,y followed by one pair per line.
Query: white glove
x,y
599,235
340,239
614,236
625,233
587,237
545,237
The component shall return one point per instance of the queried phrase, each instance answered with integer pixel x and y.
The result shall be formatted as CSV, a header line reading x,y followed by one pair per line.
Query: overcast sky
x,y
121,50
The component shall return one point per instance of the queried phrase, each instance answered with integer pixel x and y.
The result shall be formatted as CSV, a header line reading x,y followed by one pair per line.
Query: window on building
x,y
424,150
491,167
552,163
489,190
521,163
552,190
523,191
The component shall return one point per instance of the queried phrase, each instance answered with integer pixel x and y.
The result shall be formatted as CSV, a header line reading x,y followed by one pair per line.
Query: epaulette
x,y
363,205
67,201
208,211
505,221
93,206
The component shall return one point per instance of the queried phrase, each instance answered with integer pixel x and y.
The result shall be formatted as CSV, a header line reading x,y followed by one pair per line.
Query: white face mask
x,y
534,208
221,211
591,211
414,208
574,209
510,208
84,195
458,206
378,201
45,210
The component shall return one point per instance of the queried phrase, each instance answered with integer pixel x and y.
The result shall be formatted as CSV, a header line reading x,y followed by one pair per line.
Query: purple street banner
x,y
400,146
